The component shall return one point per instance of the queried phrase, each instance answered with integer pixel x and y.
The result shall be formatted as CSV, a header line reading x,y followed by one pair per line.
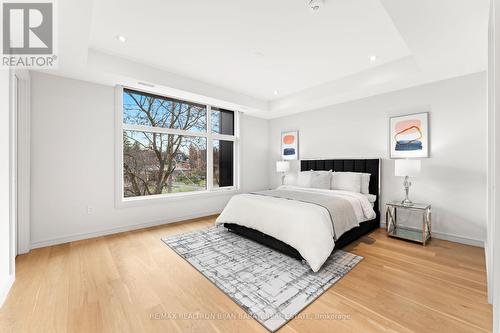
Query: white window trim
x,y
121,201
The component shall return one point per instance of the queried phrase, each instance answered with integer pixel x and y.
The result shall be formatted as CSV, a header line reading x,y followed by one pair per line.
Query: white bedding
x,y
305,226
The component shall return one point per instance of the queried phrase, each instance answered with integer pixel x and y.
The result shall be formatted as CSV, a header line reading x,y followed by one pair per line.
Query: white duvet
x,y
305,226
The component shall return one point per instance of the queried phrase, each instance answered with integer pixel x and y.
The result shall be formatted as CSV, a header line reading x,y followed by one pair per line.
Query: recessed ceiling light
x,y
121,38
373,58
276,92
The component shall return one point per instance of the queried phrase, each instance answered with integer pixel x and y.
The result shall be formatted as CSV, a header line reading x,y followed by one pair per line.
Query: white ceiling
x,y
238,52
255,47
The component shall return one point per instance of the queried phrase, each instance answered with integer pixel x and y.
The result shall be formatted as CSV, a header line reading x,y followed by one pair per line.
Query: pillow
x,y
304,178
321,179
346,181
290,179
371,197
365,183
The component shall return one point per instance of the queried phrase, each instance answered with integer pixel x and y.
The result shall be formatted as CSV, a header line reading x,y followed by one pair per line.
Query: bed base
x,y
275,244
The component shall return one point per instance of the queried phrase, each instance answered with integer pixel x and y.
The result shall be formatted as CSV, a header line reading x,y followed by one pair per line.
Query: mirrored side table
x,y
412,234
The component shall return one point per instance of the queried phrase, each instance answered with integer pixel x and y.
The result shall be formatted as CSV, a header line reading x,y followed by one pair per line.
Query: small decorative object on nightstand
x,y
282,167
413,234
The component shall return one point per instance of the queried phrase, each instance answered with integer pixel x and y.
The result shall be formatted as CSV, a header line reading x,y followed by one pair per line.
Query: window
x,y
222,121
171,146
223,157
223,151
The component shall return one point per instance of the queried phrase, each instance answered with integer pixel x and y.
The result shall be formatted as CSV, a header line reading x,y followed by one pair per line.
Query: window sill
x,y
162,198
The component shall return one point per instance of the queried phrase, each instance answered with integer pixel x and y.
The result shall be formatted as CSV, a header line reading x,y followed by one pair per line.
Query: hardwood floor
x,y
131,282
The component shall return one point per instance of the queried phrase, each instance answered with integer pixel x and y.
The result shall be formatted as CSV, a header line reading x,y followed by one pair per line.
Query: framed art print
x,y
409,136
290,145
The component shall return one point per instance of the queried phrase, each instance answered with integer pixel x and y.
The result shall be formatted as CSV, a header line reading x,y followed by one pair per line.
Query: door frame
x,y
12,172
22,168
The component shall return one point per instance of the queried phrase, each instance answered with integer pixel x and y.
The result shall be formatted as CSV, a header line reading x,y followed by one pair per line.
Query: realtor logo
x,y
28,34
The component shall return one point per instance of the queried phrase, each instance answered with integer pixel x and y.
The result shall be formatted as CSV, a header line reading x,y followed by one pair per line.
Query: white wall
x,y
5,277
72,156
453,180
254,153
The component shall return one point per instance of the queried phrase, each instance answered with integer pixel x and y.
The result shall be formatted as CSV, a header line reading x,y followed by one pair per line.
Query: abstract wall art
x,y
409,136
290,145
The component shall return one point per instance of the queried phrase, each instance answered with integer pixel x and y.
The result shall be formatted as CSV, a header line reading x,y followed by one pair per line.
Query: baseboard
x,y
489,272
453,238
4,290
458,239
105,232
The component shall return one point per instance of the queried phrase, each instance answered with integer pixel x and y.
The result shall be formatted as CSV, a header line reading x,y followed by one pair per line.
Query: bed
x,y
258,204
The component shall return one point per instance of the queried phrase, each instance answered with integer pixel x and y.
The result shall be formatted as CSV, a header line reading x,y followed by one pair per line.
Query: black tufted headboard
x,y
371,166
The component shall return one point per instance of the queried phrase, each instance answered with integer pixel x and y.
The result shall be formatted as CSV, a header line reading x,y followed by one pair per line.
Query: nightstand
x,y
413,234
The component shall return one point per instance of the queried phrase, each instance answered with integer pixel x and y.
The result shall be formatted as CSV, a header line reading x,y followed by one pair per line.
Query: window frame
x,y
120,126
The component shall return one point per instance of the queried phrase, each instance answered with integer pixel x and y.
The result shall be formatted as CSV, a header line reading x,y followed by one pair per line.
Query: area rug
x,y
270,286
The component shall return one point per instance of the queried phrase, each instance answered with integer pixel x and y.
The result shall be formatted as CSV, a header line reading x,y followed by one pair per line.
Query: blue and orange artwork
x,y
408,135
289,145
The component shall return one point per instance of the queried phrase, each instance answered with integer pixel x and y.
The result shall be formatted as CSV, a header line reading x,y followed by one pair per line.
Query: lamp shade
x,y
403,168
282,166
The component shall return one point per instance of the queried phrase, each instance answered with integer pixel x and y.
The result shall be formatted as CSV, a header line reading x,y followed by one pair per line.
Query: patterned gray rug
x,y
271,287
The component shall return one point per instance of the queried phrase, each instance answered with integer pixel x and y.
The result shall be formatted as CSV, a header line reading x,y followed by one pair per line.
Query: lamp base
x,y
407,202
406,185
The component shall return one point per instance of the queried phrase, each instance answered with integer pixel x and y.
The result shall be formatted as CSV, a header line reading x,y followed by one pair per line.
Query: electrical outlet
x,y
90,210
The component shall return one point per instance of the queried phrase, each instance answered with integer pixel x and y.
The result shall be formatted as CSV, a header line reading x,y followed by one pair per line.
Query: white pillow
x,y
346,181
321,179
365,183
371,197
290,179
304,179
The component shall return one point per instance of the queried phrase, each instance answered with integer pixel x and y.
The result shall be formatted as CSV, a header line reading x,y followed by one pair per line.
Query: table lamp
x,y
282,167
407,169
